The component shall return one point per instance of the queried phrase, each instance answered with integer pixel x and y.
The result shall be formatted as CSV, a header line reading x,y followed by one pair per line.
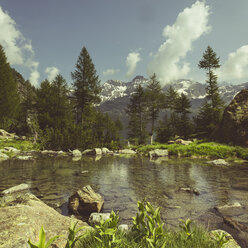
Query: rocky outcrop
x,y
85,201
158,153
22,216
234,124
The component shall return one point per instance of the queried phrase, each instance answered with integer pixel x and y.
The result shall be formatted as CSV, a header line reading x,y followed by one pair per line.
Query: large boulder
x,y
7,136
233,209
85,201
22,216
76,153
234,124
95,218
3,156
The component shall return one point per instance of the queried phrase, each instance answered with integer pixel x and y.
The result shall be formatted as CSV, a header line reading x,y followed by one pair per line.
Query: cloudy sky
x,y
125,37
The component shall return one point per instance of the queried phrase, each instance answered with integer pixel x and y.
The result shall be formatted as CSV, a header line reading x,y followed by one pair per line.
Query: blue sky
x,y
125,37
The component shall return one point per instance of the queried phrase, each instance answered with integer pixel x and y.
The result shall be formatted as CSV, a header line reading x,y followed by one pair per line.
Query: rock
x,y
85,201
218,162
12,149
93,152
95,218
76,153
5,135
234,209
22,219
234,125
105,150
231,243
24,157
126,151
189,190
16,188
49,152
123,227
3,156
158,153
84,172
183,142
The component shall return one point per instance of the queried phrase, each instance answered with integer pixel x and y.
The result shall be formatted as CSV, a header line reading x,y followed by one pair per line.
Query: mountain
x,y
115,94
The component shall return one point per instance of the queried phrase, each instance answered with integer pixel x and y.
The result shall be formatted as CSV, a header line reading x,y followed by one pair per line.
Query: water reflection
x,y
124,181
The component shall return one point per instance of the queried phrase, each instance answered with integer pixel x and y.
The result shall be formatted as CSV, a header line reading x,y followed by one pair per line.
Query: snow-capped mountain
x,y
114,89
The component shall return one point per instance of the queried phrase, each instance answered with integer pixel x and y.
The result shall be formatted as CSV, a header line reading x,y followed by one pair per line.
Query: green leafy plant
x,y
42,240
186,227
72,236
221,238
106,230
148,226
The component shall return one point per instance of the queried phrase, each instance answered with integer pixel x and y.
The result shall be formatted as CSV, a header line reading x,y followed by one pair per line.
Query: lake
x,y
123,181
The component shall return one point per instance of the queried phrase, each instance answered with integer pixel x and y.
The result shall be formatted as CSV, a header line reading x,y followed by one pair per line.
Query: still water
x,y
123,181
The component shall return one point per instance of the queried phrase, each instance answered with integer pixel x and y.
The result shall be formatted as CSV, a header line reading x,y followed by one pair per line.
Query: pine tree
x,y
9,98
210,113
86,84
136,111
183,125
155,101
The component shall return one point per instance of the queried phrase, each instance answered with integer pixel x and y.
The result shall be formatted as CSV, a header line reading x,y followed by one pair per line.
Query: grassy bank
x,y
23,145
198,149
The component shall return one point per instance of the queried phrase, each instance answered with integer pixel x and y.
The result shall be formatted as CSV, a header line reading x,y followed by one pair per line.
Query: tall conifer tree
x,y
9,98
210,113
86,84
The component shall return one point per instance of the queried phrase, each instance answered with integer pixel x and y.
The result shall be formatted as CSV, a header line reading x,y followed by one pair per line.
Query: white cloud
x,y
51,72
168,63
236,66
110,72
18,50
131,61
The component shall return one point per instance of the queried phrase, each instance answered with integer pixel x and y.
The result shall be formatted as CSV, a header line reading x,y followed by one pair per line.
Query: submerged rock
x,y
22,218
16,188
234,209
85,201
189,190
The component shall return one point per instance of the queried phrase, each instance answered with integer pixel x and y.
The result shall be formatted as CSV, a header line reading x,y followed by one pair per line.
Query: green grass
x,y
23,145
173,239
198,149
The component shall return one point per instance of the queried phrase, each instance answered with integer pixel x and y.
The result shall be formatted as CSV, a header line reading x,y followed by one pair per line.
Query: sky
x,y
125,38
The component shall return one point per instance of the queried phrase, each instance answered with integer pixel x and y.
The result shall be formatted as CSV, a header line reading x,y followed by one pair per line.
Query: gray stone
x,y
158,153
85,201
183,142
218,162
3,156
123,227
95,218
24,157
16,188
22,218
231,243
126,151
93,152
12,149
76,153
105,151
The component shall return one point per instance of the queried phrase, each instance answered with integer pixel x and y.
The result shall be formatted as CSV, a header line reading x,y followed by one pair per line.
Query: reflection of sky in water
x,y
124,181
